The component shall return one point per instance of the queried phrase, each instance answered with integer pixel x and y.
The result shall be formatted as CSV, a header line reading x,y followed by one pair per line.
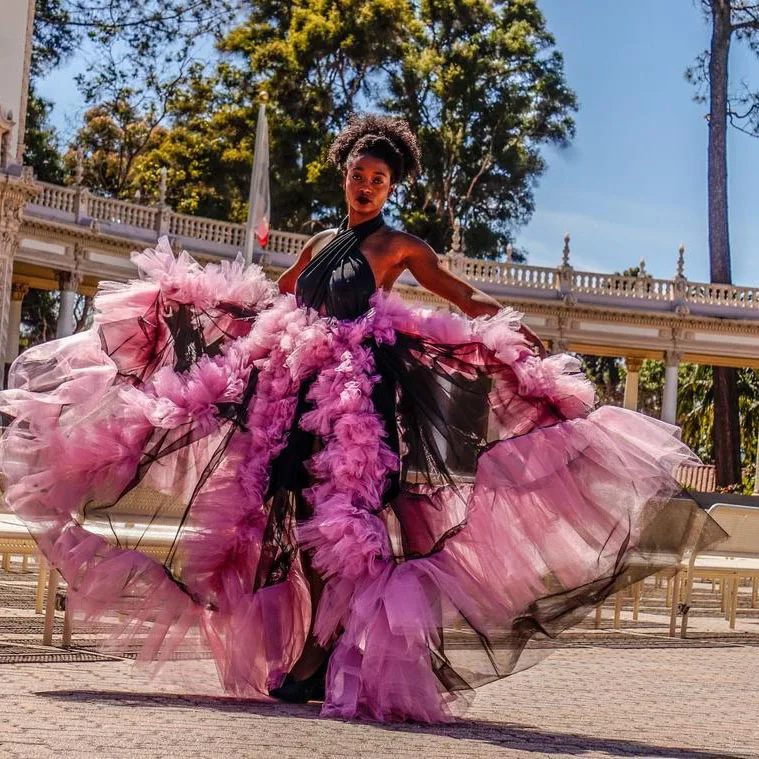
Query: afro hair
x,y
384,137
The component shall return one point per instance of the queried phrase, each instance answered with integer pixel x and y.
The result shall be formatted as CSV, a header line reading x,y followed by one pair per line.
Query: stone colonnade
x,y
669,394
16,190
69,283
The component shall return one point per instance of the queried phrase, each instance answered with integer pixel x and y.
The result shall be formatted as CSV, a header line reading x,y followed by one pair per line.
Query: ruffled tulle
x,y
185,400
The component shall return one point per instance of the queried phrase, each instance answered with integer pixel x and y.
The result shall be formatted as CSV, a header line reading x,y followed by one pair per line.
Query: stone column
x,y
669,395
15,191
69,283
631,383
18,291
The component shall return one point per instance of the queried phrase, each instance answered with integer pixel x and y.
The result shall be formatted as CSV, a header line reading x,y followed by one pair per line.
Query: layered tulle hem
x,y
178,406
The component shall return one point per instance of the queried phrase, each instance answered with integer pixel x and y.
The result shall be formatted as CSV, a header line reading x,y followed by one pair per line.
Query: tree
x,y
41,148
483,86
696,413
607,374
484,93
136,46
52,41
139,56
55,35
729,19
39,317
110,141
480,80
319,61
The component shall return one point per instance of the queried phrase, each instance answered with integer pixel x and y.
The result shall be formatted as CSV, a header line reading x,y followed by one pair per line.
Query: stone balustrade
x,y
76,204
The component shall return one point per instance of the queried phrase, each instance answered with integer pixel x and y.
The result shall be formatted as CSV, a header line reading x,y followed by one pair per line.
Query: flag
x,y
259,203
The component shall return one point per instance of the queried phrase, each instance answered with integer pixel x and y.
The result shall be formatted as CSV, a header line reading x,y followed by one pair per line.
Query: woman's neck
x,y
356,217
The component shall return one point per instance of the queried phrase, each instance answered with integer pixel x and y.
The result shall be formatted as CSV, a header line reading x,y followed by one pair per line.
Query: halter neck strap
x,y
364,229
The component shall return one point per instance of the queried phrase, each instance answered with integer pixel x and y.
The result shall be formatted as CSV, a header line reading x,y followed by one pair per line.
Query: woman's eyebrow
x,y
359,167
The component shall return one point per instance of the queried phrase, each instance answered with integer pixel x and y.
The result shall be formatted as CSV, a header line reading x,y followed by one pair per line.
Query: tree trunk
x,y
727,449
719,237
727,434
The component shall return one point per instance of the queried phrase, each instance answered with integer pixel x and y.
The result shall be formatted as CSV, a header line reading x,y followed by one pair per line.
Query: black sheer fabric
x,y
435,401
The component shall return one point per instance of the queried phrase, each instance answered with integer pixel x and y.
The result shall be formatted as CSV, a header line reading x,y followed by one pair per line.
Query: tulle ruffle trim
x,y
558,505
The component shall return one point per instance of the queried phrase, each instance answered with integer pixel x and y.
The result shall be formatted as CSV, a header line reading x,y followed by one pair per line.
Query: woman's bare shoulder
x,y
409,245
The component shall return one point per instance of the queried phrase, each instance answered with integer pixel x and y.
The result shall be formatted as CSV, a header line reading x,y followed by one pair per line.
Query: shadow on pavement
x,y
508,736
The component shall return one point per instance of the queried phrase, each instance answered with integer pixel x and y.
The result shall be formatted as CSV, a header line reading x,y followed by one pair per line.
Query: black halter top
x,y
339,277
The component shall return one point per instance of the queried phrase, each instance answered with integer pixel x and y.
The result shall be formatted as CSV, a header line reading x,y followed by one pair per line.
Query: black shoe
x,y
293,691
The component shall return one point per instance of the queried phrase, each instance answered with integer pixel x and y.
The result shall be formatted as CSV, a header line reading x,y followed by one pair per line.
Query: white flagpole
x,y
260,160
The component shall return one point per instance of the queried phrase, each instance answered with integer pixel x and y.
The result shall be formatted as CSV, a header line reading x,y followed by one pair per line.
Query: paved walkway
x,y
628,693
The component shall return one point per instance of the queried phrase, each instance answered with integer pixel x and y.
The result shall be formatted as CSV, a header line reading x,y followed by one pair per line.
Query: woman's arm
x,y
422,261
288,278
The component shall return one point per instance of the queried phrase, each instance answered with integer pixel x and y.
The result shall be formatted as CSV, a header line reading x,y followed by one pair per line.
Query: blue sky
x,y
633,183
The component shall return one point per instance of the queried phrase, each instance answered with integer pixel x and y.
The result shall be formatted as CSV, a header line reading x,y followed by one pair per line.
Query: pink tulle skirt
x,y
193,461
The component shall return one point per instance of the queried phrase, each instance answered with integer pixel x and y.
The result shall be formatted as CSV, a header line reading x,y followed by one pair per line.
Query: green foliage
x,y
137,48
316,61
695,413
480,82
650,387
55,35
41,149
112,138
695,408
483,86
39,317
607,373
139,57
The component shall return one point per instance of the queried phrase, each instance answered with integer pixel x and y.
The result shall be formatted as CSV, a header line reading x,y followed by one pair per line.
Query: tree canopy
x,y
480,81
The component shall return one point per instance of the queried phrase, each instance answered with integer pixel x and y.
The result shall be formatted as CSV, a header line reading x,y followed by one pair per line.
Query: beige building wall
x,y
16,18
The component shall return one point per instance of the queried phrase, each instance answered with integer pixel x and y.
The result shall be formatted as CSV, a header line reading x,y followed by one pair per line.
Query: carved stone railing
x,y
616,285
504,273
120,212
210,230
725,295
161,219
56,197
76,204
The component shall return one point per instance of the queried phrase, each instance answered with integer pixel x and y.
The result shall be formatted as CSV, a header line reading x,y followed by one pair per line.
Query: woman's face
x,y
368,183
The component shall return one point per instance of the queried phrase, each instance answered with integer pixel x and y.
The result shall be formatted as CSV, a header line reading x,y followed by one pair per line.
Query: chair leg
x,y
67,622
728,596
41,577
734,601
754,592
25,563
617,609
6,562
599,612
637,592
673,610
52,588
688,595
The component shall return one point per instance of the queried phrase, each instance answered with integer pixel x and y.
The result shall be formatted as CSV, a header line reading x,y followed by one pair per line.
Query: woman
x,y
378,505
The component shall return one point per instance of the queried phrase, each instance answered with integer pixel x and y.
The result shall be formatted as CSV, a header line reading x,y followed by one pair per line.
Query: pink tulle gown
x,y
454,495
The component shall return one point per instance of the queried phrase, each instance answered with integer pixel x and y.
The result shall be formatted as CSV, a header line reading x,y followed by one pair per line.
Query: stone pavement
x,y
627,693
